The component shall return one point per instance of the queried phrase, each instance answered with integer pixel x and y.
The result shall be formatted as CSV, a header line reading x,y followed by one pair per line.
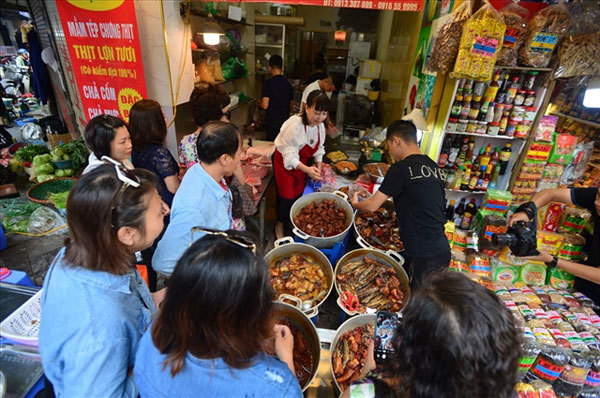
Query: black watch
x,y
553,263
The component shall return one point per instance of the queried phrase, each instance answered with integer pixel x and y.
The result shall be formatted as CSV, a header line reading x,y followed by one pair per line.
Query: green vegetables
x,y
42,165
16,213
75,150
59,199
27,153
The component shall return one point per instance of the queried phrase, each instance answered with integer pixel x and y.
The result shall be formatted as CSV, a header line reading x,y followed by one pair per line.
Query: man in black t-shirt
x,y
587,275
276,97
417,185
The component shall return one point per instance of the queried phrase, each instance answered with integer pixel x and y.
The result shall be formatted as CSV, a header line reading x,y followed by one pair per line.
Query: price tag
x,y
484,46
544,42
510,37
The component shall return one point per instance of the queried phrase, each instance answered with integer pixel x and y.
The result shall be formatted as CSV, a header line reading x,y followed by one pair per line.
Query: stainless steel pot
x,y
286,247
377,178
363,242
302,323
341,200
389,258
351,323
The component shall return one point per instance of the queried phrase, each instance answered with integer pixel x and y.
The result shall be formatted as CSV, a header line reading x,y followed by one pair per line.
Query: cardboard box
x,y
363,85
370,68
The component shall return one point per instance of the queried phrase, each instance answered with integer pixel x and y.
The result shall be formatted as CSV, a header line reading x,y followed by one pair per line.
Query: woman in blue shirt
x,y
95,305
213,330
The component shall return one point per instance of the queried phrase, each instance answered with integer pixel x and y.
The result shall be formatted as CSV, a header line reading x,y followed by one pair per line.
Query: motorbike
x,y
14,80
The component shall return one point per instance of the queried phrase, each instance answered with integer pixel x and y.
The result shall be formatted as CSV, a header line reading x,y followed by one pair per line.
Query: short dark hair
x,y
403,129
100,132
217,139
320,101
93,223
276,62
207,103
147,124
456,339
218,305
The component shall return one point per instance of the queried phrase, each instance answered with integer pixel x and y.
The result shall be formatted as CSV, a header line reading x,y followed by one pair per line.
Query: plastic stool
x,y
15,277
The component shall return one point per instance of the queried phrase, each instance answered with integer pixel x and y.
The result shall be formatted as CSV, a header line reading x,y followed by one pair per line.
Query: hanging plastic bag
x,y
580,51
446,41
482,37
574,171
544,32
515,18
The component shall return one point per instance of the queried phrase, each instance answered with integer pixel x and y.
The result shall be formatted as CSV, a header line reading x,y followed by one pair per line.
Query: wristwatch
x,y
553,263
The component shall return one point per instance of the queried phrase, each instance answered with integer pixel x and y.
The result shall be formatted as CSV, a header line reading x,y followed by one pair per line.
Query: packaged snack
x,y
571,380
506,273
506,256
490,224
501,290
541,293
563,148
535,323
527,313
548,365
584,300
571,301
480,42
515,18
590,341
533,274
459,240
558,299
527,333
549,242
591,386
449,229
573,220
543,336
544,31
545,129
447,40
572,247
529,352
479,264
496,201
540,313
458,261
559,338
552,216
561,279
575,340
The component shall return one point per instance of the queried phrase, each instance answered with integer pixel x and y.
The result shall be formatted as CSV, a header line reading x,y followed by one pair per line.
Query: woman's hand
x,y
314,173
284,345
370,361
542,256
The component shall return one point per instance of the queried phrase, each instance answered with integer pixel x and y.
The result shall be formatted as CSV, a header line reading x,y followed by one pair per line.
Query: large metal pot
x,y
302,323
286,247
376,171
390,258
351,323
363,242
341,200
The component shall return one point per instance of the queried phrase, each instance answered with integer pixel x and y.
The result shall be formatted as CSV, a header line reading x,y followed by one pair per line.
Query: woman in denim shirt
x,y
95,306
214,328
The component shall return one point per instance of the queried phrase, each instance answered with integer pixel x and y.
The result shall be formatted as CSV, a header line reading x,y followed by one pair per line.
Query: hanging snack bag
x,y
491,224
459,240
572,247
552,217
573,220
445,44
544,31
549,241
515,18
481,40
571,380
559,279
545,129
548,365
563,149
580,51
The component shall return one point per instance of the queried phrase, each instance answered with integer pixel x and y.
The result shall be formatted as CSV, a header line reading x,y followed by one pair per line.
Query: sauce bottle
x,y
504,158
468,215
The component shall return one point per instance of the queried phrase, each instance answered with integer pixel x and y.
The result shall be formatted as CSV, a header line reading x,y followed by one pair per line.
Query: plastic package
x,y
533,274
529,352
43,220
491,224
571,380
544,32
561,279
458,261
576,168
563,149
549,241
573,220
446,42
548,365
15,214
580,51
515,18
546,127
502,272
591,386
497,201
479,264
572,247
480,42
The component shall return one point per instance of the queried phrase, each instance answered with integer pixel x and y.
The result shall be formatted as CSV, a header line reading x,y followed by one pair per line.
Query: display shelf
x,y
526,68
240,104
502,137
465,192
220,18
577,119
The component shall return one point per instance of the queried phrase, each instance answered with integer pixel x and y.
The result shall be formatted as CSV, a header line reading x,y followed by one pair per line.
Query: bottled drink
x,y
468,215
459,211
469,155
462,154
511,93
473,180
464,185
492,90
481,178
477,161
450,211
504,158
495,157
485,159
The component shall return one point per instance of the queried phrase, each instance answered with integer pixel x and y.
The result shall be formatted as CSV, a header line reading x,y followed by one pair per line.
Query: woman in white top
x,y
107,135
299,152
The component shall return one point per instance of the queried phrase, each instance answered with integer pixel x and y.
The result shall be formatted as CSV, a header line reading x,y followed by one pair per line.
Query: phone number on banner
x,y
408,5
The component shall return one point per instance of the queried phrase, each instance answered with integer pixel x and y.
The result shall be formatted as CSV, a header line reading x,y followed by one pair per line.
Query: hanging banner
x,y
389,5
104,48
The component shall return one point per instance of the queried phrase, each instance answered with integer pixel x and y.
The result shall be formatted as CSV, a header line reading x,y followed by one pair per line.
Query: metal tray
x,y
22,368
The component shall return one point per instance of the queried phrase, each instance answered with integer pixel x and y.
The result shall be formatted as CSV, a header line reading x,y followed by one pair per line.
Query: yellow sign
x,y
96,5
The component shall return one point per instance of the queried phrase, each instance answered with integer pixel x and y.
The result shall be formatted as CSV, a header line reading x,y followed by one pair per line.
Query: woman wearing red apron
x,y
300,141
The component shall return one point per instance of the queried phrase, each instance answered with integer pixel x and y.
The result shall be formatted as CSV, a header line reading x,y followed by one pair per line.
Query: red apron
x,y
291,183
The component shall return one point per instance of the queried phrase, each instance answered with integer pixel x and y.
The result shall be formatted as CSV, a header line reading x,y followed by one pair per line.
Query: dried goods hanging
x,y
446,41
580,51
515,18
482,38
544,32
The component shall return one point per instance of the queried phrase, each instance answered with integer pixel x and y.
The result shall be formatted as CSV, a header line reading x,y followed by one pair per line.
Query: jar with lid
x,y
519,97
467,95
474,111
468,84
529,98
481,127
517,113
493,128
511,128
530,113
471,126
452,125
523,129
530,80
506,110
465,109
461,127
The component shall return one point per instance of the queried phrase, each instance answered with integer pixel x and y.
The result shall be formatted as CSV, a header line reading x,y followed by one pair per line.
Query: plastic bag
x,y
515,18
580,51
15,214
445,44
575,169
548,365
480,42
43,220
544,32
570,382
